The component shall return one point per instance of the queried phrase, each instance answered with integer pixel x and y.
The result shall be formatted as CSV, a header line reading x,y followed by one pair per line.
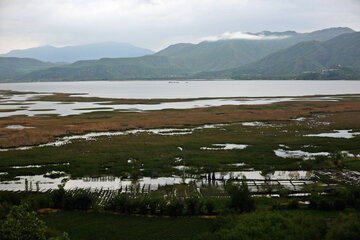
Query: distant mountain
x,y
312,56
225,54
284,54
11,67
110,69
81,52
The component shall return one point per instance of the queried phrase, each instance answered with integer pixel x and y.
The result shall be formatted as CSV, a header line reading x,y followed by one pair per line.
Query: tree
x,y
240,197
21,224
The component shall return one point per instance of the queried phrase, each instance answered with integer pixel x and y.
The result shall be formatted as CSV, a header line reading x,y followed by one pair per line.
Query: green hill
x,y
306,57
225,54
12,67
111,68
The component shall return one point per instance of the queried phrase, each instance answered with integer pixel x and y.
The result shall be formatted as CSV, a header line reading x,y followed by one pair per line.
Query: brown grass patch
x,y
48,128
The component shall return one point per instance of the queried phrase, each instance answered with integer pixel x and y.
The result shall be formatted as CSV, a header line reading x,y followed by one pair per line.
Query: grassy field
x,y
92,225
154,155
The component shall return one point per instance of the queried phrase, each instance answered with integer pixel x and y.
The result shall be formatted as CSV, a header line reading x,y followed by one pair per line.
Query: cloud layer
x,y
242,35
157,23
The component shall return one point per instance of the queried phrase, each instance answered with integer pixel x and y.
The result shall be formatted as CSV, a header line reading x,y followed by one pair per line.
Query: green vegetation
x,y
154,155
271,219
94,225
11,68
22,224
308,57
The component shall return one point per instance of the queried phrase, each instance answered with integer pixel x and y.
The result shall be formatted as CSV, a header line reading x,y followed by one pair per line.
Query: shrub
x,y
325,204
80,200
192,205
58,198
21,224
267,225
175,208
240,197
339,204
209,206
345,228
118,203
293,204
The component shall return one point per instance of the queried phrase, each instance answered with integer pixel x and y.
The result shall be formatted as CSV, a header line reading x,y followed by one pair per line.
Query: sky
x,y
155,24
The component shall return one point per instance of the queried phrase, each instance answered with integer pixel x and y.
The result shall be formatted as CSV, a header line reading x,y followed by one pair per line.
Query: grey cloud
x,y
157,23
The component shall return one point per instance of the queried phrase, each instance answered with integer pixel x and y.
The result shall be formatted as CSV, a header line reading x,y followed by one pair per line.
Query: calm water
x,y
190,89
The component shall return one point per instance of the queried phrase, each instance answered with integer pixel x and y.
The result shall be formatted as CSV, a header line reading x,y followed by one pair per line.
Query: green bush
x,y
293,204
267,225
81,199
175,208
345,227
22,224
58,198
209,206
240,197
193,205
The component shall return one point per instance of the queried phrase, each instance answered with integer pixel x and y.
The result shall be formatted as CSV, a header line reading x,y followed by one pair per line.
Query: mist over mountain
x,y
82,52
230,53
311,56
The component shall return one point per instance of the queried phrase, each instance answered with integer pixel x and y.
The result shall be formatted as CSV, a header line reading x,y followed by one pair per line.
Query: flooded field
x,y
28,105
292,180
272,141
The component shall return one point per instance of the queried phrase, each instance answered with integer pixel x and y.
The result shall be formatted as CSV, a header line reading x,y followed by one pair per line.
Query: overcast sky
x,y
155,24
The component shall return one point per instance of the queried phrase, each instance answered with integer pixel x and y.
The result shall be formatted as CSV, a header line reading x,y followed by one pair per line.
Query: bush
x,y
325,204
339,204
209,206
175,208
81,200
193,205
267,225
22,224
345,228
293,204
240,197
58,198
117,204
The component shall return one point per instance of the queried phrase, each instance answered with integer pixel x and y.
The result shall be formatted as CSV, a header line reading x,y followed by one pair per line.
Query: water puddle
x,y
92,136
255,180
348,154
39,166
336,134
225,146
237,164
17,127
182,167
256,124
298,154
26,104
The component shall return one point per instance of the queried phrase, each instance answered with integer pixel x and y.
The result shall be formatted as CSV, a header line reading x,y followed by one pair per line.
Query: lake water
x,y
190,89
223,92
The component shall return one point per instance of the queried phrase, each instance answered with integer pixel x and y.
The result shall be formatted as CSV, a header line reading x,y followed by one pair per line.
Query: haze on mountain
x,y
71,54
305,57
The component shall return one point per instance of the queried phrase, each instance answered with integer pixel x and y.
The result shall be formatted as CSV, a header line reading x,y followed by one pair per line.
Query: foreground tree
x,y
22,224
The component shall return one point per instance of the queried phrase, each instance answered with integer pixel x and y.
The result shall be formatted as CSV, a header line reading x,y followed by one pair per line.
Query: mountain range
x,y
325,54
71,54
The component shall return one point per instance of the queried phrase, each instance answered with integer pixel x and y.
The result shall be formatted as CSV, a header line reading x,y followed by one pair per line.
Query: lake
x,y
191,89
